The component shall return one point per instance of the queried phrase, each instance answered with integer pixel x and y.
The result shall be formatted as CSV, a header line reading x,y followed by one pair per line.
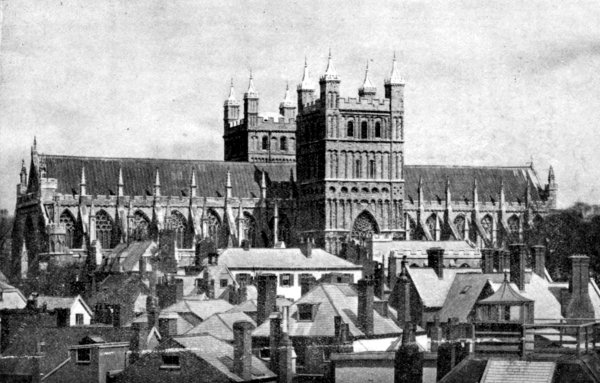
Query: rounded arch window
x,y
344,189
374,190
355,190
283,145
364,130
378,129
385,190
365,190
265,143
350,129
332,189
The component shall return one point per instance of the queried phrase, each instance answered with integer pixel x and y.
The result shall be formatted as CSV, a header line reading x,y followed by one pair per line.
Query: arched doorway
x,y
364,226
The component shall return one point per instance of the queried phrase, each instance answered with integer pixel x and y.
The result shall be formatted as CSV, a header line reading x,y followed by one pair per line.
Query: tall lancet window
x,y
178,224
104,226
140,225
67,220
214,227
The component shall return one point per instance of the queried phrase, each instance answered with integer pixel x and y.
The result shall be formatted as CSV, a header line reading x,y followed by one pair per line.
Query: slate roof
x,y
220,325
102,174
124,257
518,371
250,305
461,178
462,296
201,309
122,289
53,303
432,290
267,258
332,299
219,354
416,251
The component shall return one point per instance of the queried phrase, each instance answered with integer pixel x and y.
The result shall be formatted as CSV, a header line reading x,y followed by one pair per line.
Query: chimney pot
x,y
365,305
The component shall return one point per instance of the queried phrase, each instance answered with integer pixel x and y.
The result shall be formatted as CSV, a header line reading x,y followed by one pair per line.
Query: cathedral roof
x,y
489,179
140,173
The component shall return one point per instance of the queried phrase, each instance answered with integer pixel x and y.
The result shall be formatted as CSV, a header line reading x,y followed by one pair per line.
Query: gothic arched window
x,y
104,226
249,228
140,226
265,143
67,220
378,129
431,225
486,222
459,223
178,224
364,226
214,227
513,225
350,129
283,144
412,228
364,130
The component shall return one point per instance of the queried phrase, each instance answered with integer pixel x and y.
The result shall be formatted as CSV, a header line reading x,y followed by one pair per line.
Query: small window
x,y
364,130
305,312
372,169
357,172
264,353
283,144
350,129
170,362
84,355
286,280
79,319
265,143
224,283
378,129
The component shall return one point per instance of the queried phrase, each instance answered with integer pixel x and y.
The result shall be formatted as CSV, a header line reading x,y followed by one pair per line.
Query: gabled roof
x,y
122,289
505,294
128,256
220,325
175,175
332,300
461,179
292,258
431,289
53,303
462,296
202,309
250,305
219,354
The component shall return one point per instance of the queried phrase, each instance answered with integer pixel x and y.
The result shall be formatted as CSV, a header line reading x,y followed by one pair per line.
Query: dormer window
x,y
170,362
306,312
84,355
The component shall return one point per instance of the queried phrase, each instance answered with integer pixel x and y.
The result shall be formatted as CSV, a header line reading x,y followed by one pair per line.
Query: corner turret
x,y
367,89
251,104
231,108
330,86
286,107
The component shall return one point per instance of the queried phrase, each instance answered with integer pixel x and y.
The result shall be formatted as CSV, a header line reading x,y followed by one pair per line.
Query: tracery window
x,y
364,130
214,227
486,223
350,129
513,225
67,220
431,225
249,228
104,226
364,226
140,226
178,224
459,223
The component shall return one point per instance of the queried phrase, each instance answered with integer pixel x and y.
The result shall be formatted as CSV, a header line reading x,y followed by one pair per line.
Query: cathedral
x,y
327,169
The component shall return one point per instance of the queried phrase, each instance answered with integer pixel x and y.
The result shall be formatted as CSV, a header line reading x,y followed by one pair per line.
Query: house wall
x,y
294,291
78,308
12,300
102,360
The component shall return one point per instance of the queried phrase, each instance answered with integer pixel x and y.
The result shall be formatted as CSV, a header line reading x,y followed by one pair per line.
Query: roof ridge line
x,y
330,301
471,166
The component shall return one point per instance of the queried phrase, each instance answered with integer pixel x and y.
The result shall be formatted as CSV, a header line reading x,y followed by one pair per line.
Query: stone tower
x,y
350,161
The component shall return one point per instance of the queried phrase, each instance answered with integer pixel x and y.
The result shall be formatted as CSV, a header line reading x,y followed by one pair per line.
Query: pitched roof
x,y
461,178
53,303
418,249
517,371
219,354
127,256
202,309
433,290
462,296
293,258
332,299
175,175
505,294
122,289
220,325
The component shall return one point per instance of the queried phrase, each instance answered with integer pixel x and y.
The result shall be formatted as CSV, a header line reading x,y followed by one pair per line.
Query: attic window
x,y
84,355
465,289
306,312
170,362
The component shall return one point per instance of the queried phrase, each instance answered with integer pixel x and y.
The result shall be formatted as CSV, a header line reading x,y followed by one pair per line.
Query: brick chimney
x,y
487,261
169,291
365,305
579,303
408,362
306,247
381,307
392,270
518,258
435,260
152,310
539,260
275,334
242,349
167,324
284,356
379,281
307,282
400,298
267,295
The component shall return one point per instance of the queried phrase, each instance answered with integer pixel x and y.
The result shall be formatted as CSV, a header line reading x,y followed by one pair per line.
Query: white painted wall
x,y
78,308
12,299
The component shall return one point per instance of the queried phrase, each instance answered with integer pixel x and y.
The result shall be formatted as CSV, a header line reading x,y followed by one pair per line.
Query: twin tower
x,y
349,153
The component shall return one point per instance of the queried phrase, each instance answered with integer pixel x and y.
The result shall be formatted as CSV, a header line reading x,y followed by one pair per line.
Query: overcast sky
x,y
488,82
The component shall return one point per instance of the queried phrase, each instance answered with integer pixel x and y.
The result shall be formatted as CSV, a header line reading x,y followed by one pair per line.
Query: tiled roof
x,y
332,300
267,258
220,325
53,303
128,255
461,179
431,289
220,355
462,296
139,174
414,250
518,371
200,308
122,289
249,305
505,294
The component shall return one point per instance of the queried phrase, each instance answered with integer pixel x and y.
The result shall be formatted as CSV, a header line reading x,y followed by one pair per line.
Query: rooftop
x,y
292,258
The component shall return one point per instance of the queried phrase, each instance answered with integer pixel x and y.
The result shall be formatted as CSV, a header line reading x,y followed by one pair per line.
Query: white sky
x,y
488,83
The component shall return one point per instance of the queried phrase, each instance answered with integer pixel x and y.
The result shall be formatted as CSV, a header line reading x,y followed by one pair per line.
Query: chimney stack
x,y
580,304
306,247
539,260
435,260
242,349
487,261
517,265
392,270
365,305
275,335
378,275
408,364
285,371
307,282
167,324
267,295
